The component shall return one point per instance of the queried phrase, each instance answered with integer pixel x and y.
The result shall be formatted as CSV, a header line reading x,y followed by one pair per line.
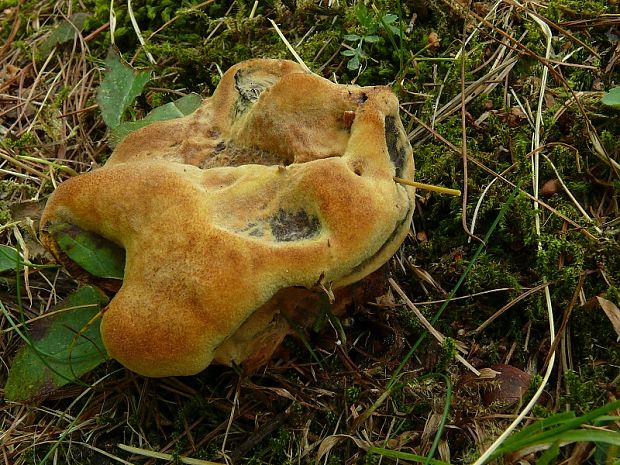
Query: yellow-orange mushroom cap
x,y
280,180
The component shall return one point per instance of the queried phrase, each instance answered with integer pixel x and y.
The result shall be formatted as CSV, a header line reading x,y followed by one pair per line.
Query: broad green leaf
x,y
97,255
177,109
363,15
352,37
9,258
353,63
60,348
188,104
389,18
396,31
119,88
372,39
612,98
65,31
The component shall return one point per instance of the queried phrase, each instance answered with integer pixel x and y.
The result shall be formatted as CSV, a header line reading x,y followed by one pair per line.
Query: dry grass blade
x,y
507,307
162,456
507,181
290,47
481,86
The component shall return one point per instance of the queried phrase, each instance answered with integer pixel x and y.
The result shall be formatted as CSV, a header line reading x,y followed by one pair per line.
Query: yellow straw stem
x,y
428,187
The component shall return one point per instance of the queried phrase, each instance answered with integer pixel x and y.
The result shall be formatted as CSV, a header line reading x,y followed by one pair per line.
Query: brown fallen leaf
x,y
612,312
501,386
551,187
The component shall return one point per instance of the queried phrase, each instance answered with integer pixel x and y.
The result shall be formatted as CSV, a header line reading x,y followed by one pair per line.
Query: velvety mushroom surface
x,y
281,181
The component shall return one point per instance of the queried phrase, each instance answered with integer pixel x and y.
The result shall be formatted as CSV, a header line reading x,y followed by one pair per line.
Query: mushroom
x,y
280,182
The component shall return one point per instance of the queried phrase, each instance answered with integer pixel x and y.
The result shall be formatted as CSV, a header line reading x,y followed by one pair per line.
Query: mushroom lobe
x,y
228,217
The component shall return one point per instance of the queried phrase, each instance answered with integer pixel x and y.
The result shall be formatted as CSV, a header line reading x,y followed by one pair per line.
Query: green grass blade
x,y
550,455
568,430
393,454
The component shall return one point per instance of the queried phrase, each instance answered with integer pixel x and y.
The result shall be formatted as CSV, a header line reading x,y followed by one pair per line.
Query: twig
x,y
16,24
571,196
565,318
464,148
23,166
428,187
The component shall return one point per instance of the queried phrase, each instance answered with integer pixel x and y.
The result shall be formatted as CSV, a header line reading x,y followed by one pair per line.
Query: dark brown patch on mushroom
x,y
361,97
249,89
289,226
396,147
219,148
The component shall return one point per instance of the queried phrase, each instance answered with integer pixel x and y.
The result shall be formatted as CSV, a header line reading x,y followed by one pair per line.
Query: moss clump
x,y
448,354
581,393
562,10
278,449
5,213
490,272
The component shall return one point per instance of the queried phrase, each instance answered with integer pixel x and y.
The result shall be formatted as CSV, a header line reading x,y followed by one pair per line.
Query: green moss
x,y
352,393
11,191
25,140
436,163
9,9
490,272
408,320
593,338
561,10
5,213
582,394
278,449
319,46
448,353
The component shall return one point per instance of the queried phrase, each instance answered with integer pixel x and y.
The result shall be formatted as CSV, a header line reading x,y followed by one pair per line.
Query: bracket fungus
x,y
279,182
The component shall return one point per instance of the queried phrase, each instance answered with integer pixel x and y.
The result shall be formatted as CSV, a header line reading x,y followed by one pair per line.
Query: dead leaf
x,y
612,312
500,386
434,41
550,187
329,442
403,439
326,445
